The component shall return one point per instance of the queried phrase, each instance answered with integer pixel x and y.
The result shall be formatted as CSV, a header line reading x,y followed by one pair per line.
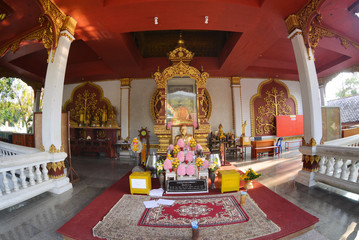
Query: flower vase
x,y
212,176
175,155
193,148
161,178
199,169
174,169
248,184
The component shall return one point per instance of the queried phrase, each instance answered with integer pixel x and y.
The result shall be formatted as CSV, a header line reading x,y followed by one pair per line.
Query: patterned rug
x,y
122,222
209,211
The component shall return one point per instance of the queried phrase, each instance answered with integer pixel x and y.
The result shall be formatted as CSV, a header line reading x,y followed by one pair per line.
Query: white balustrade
x,y
339,165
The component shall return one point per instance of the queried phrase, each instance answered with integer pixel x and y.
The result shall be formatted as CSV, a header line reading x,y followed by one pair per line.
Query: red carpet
x,y
286,215
210,211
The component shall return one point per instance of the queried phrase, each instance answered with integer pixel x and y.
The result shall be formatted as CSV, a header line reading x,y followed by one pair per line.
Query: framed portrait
x,y
175,131
181,108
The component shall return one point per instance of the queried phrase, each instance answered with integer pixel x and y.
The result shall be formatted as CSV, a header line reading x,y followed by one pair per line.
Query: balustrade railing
x,y
8,149
23,177
339,163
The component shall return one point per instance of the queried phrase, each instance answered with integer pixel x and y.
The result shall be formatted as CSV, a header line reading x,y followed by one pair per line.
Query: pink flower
x,y
180,156
189,156
190,170
188,147
170,148
205,164
167,165
181,170
180,143
199,147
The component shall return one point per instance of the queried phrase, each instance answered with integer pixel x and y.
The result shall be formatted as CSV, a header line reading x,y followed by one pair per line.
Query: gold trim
x,y
181,69
67,36
209,103
235,81
312,142
125,82
42,148
69,25
258,94
292,23
53,149
62,149
295,34
156,97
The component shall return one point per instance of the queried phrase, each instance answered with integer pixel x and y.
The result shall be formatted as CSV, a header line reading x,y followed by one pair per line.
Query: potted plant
x,y
249,175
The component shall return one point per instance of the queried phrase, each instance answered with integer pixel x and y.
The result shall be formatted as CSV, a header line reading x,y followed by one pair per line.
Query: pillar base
x,y
306,178
61,185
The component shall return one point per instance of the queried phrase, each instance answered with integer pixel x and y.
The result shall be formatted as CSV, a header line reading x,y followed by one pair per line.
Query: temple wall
x,y
249,87
218,88
111,90
221,95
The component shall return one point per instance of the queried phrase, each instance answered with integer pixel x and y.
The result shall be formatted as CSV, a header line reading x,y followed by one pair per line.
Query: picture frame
x,y
175,130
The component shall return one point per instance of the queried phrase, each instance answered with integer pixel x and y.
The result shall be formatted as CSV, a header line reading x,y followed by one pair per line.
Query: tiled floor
x,y
40,217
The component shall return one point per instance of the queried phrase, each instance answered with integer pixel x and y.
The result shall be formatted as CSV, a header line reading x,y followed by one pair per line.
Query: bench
x,y
270,149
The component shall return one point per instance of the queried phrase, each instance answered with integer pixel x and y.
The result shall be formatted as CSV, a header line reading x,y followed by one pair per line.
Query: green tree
x,y
17,100
349,86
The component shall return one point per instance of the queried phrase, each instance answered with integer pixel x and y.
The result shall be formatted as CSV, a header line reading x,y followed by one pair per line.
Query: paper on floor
x,y
151,204
165,202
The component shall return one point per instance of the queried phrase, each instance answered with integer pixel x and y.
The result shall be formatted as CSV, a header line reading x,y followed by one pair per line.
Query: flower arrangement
x,y
199,147
192,143
199,162
176,149
180,156
159,167
136,145
167,165
170,148
205,164
180,143
181,171
189,156
190,170
175,163
213,167
250,175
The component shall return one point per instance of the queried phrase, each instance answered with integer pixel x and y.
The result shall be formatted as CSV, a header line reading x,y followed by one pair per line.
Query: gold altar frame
x,y
180,58
175,130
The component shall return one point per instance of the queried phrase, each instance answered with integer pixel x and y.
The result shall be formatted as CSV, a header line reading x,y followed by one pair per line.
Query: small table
x,y
243,149
229,180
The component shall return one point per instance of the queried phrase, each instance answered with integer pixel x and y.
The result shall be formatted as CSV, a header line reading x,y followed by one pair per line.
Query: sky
x,y
334,85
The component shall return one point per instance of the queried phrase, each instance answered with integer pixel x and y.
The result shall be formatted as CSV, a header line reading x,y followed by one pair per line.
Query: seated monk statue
x,y
184,136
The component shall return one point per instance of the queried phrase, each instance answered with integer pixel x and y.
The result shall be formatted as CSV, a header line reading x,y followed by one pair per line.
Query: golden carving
x,y
275,105
125,82
62,149
180,54
42,148
208,102
86,109
181,69
69,25
156,99
312,142
292,23
236,81
53,149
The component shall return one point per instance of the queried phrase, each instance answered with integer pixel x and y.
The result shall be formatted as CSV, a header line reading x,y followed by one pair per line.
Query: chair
x,y
279,145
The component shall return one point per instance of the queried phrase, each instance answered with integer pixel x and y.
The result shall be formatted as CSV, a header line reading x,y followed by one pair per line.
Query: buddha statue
x,y
183,135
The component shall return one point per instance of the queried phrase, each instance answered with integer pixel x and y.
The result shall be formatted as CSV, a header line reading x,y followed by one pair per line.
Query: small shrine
x,y
181,98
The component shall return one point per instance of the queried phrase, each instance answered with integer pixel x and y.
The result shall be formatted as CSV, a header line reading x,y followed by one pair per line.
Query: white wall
x,y
140,102
221,95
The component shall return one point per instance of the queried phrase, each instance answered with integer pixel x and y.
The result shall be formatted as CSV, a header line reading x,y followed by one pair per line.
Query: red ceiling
x,y
104,48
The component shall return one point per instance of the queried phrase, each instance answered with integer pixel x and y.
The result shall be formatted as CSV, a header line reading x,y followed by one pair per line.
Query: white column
x,y
309,88
311,108
54,84
37,100
322,94
237,105
125,108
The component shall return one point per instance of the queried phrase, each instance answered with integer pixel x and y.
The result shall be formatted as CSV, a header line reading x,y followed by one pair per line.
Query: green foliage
x,y
349,87
16,105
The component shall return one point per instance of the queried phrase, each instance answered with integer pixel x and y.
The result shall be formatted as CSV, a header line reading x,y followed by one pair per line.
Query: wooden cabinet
x,y
263,146
23,139
94,140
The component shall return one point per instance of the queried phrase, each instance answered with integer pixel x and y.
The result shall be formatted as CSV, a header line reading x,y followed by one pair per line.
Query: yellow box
x,y
140,182
229,180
